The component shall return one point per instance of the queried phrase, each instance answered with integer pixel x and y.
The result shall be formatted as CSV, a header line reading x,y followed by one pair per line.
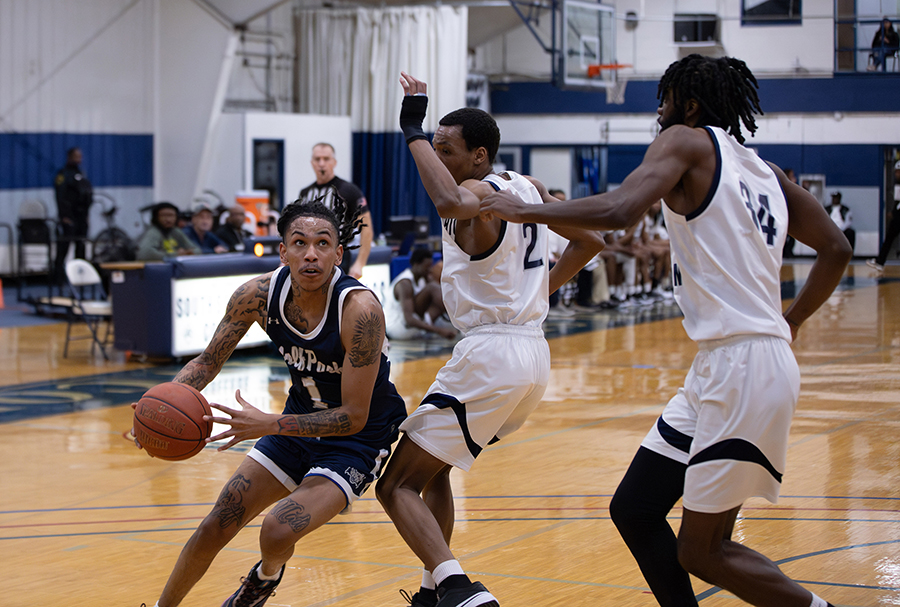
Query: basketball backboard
x,y
588,45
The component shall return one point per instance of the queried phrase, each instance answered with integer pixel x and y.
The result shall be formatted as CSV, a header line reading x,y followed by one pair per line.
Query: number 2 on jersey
x,y
529,262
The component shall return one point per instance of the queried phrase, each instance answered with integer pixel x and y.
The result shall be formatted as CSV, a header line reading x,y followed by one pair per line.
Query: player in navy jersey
x,y
342,413
723,437
496,285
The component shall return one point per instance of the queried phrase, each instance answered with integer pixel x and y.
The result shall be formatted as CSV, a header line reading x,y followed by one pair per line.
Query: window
x,y
771,12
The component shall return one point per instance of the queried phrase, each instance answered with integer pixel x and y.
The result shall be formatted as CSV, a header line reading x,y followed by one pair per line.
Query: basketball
x,y
168,421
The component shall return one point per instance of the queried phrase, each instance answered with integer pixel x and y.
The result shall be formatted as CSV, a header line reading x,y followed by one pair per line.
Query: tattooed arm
x,y
246,306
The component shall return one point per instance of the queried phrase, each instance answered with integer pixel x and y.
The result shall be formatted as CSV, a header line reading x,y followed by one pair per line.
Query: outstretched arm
x,y
246,306
676,151
810,224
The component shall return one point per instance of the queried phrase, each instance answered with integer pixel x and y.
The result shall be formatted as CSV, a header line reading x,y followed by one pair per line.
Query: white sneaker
x,y
875,265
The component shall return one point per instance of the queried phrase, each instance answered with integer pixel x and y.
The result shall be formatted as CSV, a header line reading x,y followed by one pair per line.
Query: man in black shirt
x,y
323,163
231,231
74,196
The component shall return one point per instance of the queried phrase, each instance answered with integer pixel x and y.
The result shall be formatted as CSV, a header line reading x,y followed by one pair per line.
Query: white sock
x,y
263,576
427,580
445,570
817,601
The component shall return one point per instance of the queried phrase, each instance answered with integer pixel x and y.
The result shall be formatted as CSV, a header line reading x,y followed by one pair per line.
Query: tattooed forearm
x,y
195,374
365,345
330,422
289,512
246,306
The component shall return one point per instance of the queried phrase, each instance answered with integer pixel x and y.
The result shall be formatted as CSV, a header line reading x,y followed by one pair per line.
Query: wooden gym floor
x,y
87,519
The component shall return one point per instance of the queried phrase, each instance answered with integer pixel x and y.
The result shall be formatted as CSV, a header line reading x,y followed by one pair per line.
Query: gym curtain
x,y
349,63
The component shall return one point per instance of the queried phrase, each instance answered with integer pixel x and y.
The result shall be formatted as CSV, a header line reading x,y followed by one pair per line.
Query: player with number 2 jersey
x,y
496,281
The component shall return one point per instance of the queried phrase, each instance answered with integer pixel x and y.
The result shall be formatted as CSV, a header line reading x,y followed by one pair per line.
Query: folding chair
x,y
83,278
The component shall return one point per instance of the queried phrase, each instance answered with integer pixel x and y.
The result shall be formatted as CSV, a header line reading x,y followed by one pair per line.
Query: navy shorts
x,y
350,464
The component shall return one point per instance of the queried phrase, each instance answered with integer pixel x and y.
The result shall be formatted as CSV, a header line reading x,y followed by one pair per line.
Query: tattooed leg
x,y
247,493
315,502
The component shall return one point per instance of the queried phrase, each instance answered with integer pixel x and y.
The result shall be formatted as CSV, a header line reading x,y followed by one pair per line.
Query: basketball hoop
x,y
615,89
595,69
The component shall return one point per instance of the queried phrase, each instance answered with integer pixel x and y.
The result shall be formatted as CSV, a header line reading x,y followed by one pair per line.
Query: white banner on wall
x,y
198,305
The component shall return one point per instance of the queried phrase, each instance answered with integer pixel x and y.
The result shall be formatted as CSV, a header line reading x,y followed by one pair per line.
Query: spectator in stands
x,y
656,239
232,231
562,296
162,238
635,257
842,217
414,305
885,43
200,229
893,228
788,250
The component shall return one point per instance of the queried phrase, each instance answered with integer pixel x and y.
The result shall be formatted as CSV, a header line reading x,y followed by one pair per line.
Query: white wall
x,y
231,166
192,47
553,168
76,66
806,49
300,133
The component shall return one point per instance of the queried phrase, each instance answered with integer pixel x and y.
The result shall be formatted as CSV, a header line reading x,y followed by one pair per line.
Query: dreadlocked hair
x,y
724,87
346,224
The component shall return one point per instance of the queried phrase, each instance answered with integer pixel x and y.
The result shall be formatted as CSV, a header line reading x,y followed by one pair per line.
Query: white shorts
x,y
730,421
495,379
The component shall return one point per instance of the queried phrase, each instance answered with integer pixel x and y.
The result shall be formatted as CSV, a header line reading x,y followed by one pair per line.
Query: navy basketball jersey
x,y
315,358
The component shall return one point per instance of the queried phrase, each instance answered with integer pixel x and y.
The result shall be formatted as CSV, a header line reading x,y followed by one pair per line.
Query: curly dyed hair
x,y
724,87
346,224
479,129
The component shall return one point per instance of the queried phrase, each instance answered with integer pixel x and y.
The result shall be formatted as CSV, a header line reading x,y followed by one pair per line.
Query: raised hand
x,y
411,86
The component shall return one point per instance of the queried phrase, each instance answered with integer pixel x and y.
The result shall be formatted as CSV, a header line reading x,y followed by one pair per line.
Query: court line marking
x,y
716,589
489,497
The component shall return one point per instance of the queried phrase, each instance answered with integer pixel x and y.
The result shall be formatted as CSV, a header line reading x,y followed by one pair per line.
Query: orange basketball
x,y
168,421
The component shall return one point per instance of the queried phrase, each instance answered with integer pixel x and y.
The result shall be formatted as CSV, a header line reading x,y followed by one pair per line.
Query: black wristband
x,y
412,115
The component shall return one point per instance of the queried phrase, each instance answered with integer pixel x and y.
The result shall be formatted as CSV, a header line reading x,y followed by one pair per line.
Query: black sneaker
x,y
418,600
253,592
473,595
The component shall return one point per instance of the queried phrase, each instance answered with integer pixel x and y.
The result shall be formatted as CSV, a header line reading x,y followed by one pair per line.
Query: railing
x,y
853,44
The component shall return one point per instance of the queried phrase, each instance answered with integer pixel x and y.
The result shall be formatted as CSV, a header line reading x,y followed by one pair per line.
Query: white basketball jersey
x,y
726,255
509,283
392,307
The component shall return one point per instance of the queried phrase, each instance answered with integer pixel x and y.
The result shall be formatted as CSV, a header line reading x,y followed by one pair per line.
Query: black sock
x,y
454,581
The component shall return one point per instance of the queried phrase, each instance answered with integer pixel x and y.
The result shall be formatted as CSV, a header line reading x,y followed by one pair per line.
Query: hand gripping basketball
x,y
169,421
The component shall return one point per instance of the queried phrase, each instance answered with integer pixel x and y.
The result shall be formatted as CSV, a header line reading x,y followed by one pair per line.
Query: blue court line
x,y
456,498
716,589
461,520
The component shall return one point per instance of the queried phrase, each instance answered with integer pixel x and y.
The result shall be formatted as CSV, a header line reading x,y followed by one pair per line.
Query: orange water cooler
x,y
255,203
